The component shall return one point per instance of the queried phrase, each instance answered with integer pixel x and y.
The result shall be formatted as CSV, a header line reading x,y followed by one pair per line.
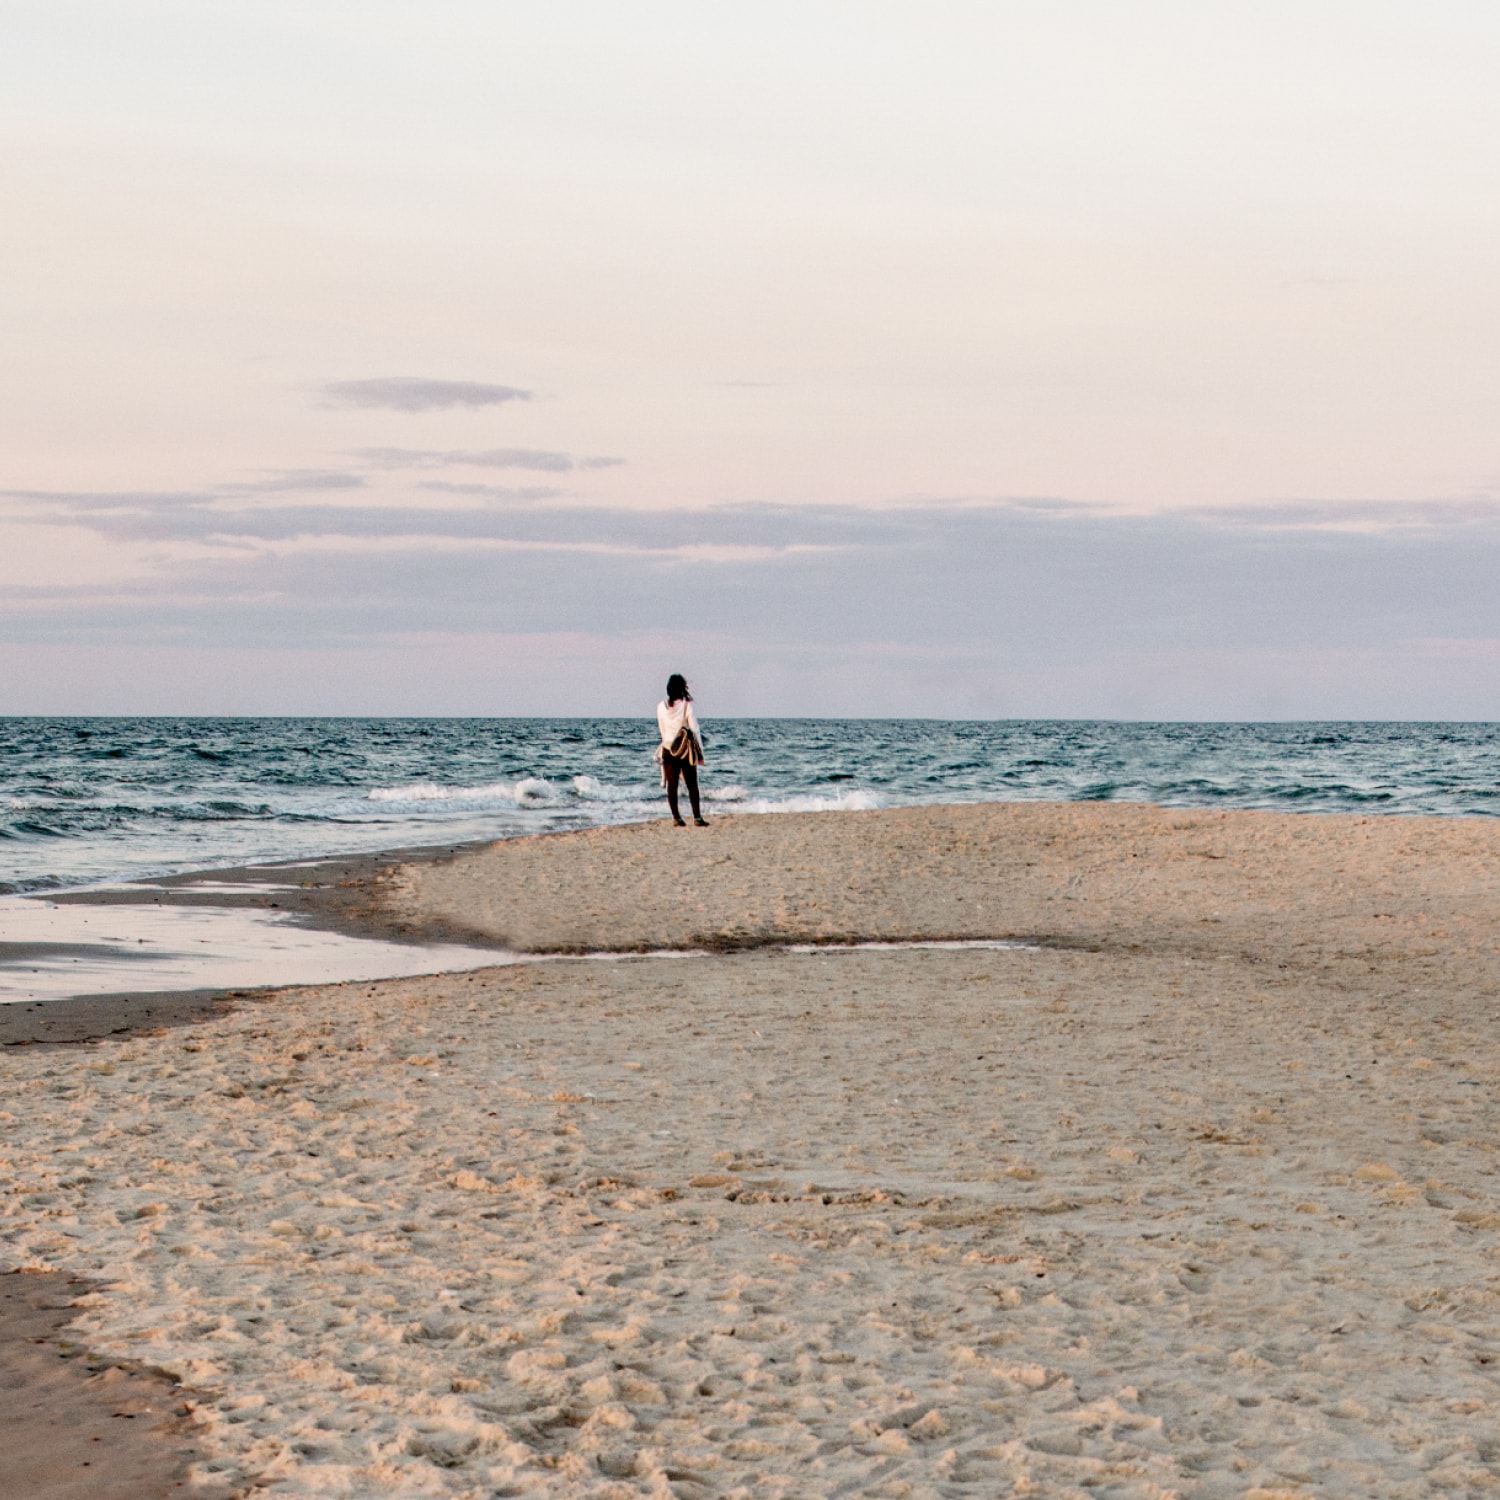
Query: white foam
x,y
529,791
857,800
537,792
533,789
591,789
426,791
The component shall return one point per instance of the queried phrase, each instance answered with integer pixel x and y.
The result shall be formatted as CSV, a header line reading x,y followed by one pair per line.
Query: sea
x,y
87,801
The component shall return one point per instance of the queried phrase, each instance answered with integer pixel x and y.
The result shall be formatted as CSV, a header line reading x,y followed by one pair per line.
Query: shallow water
x,y
56,952
90,800
52,952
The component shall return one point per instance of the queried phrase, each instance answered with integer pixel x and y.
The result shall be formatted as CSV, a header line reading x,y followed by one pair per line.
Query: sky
x,y
948,359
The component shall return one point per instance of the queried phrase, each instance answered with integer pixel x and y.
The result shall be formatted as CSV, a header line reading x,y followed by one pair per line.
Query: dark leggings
x,y
689,773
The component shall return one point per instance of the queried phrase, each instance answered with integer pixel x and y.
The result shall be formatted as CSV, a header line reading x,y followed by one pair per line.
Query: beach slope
x,y
1195,1196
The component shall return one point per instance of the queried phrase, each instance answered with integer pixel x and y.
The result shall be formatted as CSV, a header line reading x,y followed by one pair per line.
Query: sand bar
x,y
1310,889
1196,1198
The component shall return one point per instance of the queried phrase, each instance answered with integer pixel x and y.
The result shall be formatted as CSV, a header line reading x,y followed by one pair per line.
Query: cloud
x,y
160,503
292,481
1142,615
530,493
1372,518
412,542
414,393
540,459
153,501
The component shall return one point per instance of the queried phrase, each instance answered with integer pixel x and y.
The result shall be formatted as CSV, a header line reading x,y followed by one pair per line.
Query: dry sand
x,y
1197,1198
1310,889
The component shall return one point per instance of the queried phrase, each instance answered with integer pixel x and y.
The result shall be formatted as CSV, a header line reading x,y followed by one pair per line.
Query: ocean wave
x,y
537,792
33,828
591,789
860,800
65,820
529,791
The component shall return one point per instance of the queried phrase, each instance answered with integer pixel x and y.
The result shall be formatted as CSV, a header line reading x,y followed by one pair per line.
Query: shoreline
x,y
449,893
335,894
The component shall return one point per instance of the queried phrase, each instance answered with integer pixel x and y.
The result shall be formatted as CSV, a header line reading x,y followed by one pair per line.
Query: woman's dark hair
x,y
677,688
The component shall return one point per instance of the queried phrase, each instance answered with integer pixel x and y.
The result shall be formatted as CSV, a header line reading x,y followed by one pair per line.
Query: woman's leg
x,y
673,767
690,775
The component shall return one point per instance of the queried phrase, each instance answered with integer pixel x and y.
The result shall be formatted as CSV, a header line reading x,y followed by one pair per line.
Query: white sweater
x,y
673,718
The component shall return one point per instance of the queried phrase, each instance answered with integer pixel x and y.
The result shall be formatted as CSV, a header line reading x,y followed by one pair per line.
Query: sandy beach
x,y
1191,1192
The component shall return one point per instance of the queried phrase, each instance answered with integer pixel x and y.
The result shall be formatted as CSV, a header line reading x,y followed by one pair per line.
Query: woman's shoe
x,y
679,822
701,822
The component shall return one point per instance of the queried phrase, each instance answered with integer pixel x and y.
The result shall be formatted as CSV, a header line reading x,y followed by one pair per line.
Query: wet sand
x,y
1197,1197
91,1018
72,1428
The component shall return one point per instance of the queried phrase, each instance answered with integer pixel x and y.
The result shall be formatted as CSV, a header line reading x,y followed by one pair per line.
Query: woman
x,y
681,751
